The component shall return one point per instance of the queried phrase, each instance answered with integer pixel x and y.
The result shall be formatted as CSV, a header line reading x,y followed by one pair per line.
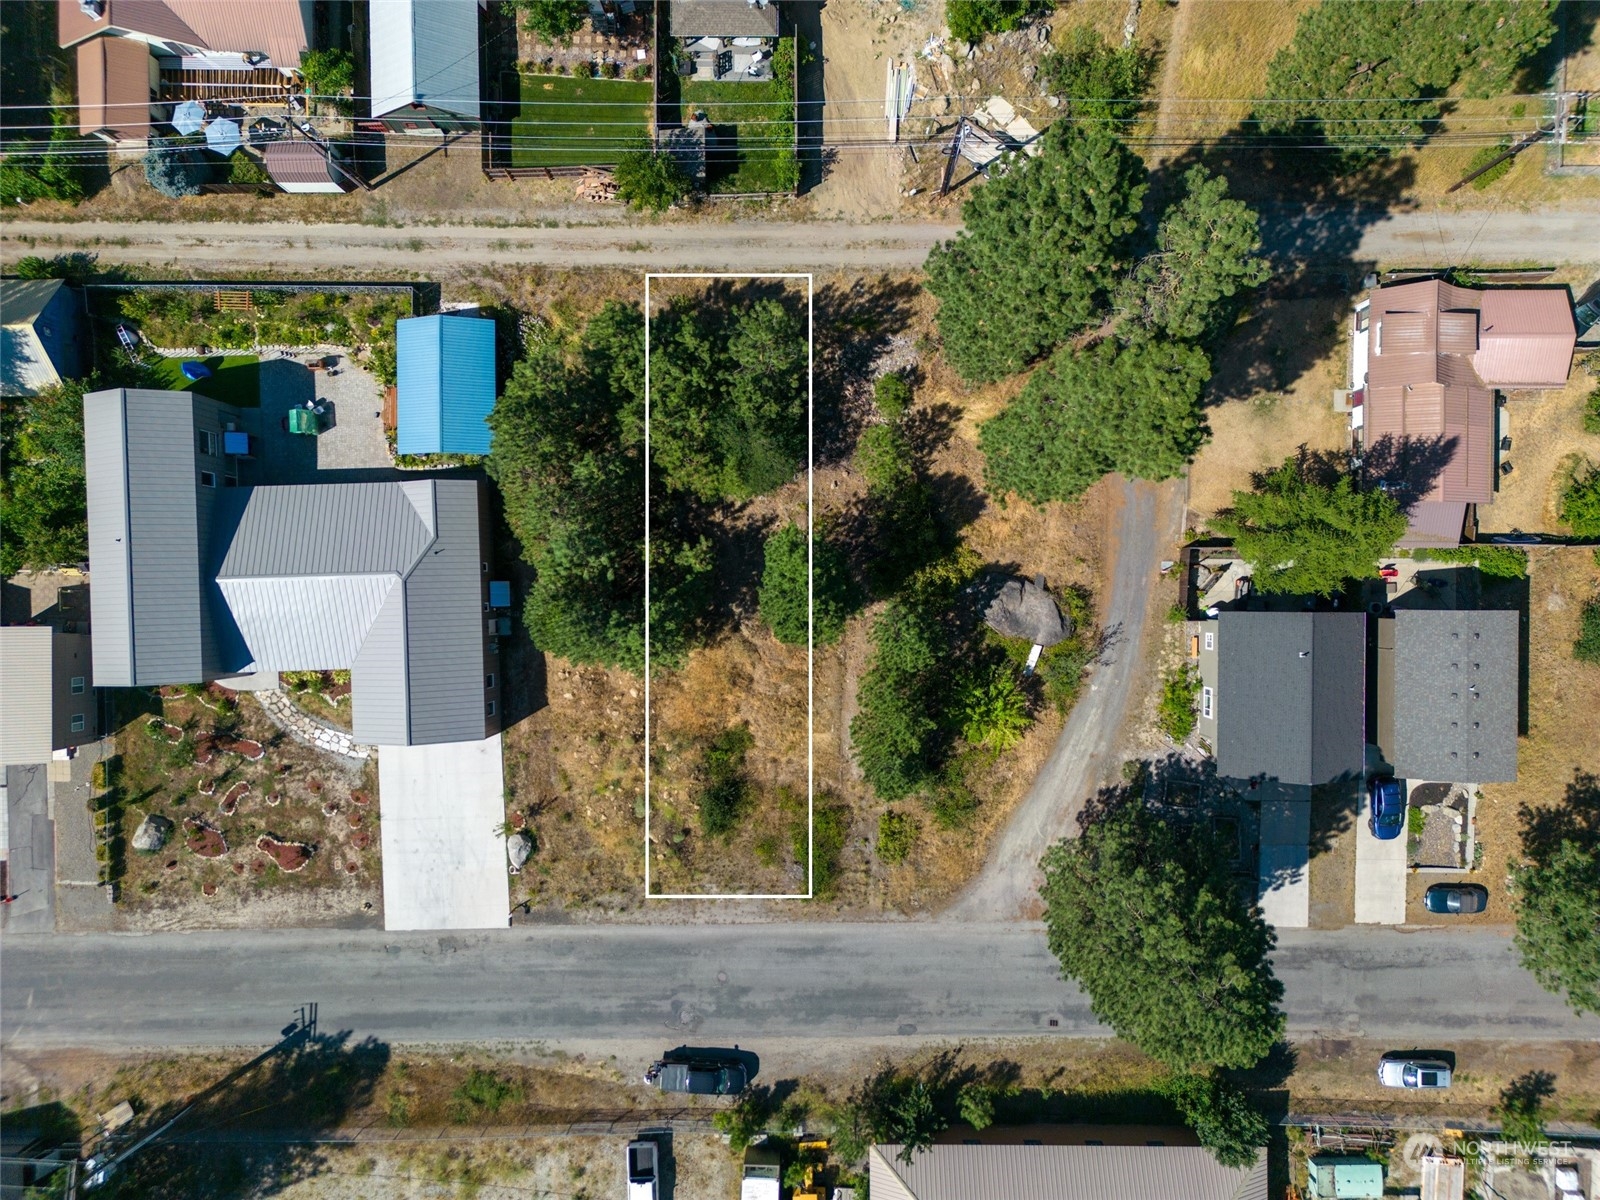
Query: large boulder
x,y
519,848
152,833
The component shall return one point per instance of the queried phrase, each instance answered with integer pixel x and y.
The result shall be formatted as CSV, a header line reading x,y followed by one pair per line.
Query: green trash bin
x,y
303,420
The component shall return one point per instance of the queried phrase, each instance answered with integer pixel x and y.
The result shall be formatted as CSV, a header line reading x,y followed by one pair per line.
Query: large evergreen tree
x,y
43,515
1306,536
1146,916
1134,409
1206,256
1367,74
1557,888
1043,245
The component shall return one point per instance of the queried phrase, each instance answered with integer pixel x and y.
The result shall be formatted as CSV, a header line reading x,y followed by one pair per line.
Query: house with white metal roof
x,y
40,343
424,64
200,575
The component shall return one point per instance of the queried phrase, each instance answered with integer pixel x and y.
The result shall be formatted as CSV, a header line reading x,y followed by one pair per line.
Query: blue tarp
x,y
445,384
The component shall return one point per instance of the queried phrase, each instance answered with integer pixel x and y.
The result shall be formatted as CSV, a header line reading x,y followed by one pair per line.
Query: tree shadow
x,y
1529,1091
1576,819
854,326
308,1087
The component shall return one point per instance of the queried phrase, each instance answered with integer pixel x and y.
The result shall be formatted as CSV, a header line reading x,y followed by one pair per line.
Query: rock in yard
x,y
152,833
519,847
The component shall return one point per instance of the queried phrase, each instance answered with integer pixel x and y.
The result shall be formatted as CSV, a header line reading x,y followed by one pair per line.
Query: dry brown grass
x,y
1562,696
1273,392
1224,49
1546,432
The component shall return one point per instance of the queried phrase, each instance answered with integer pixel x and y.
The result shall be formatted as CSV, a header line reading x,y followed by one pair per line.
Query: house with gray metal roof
x,y
197,582
1063,1163
423,57
1448,694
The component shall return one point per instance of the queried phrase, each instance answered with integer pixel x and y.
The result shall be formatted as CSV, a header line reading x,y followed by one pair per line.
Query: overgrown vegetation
x,y
1176,711
974,20
329,71
897,834
1306,535
1498,562
1486,155
1098,81
52,170
787,588
483,1094
650,181
1580,501
725,793
1367,75
1222,1117
1586,646
552,20
42,491
1142,912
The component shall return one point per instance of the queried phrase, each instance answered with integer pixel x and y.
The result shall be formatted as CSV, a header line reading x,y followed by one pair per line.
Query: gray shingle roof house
x,y
197,580
1289,701
1010,1167
1448,692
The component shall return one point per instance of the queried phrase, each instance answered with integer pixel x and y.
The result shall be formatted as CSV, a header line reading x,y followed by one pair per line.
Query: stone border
x,y
303,727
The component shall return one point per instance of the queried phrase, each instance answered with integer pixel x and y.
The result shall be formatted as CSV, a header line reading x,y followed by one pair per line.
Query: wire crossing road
x,y
709,984
1289,233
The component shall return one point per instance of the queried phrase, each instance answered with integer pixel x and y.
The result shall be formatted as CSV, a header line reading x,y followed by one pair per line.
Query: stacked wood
x,y
597,187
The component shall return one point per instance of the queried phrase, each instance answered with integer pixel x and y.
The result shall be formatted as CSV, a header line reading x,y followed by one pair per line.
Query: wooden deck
x,y
261,86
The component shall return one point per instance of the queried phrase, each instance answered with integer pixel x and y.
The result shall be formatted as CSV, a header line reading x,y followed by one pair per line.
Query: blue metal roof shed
x,y
445,385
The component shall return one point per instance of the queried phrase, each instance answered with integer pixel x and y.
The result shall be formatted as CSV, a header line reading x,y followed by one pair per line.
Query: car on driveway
x,y
1402,1071
699,1076
1456,898
1388,798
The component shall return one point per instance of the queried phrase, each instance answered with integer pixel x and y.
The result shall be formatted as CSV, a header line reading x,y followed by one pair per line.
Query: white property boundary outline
x,y
811,342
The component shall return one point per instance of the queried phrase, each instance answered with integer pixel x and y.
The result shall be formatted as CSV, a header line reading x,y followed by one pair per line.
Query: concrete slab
x,y
1285,863
1380,873
444,858
31,852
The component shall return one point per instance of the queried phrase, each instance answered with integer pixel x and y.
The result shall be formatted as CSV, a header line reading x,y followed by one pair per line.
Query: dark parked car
x,y
699,1077
1587,310
1456,898
1388,807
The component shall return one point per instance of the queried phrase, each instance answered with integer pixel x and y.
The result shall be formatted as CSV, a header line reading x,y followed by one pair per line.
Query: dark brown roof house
x,y
1426,359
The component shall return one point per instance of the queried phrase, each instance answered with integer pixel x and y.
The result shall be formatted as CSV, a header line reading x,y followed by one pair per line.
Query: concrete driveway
x,y
1380,873
444,858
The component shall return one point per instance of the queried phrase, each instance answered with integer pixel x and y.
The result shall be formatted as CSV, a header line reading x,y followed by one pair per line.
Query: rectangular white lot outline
x,y
811,342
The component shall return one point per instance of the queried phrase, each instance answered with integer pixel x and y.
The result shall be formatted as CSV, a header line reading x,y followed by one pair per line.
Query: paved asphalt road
x,y
1321,234
707,985
1148,526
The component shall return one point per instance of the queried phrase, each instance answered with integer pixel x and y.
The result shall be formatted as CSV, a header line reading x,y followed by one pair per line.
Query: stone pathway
x,y
303,727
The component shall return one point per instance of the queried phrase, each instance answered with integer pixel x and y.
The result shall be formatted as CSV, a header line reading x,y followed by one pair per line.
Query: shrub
x,y
1587,646
747,1117
1176,711
552,20
884,460
727,792
483,1092
1222,1117
829,827
788,591
973,20
244,169
1591,412
648,180
1501,562
897,834
994,710
176,169
952,802
1580,502
892,395
328,71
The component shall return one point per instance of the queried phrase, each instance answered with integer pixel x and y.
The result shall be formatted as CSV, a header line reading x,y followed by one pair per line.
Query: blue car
x,y
1388,807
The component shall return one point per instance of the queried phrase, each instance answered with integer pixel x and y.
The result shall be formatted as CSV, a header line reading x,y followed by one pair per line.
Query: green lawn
x,y
755,122
578,122
235,378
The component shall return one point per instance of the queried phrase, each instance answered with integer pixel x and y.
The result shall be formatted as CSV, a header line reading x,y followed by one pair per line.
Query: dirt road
x,y
442,250
1340,235
1085,755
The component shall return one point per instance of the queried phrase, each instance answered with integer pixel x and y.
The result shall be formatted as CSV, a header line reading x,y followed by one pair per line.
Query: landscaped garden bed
x,y
261,824
751,147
